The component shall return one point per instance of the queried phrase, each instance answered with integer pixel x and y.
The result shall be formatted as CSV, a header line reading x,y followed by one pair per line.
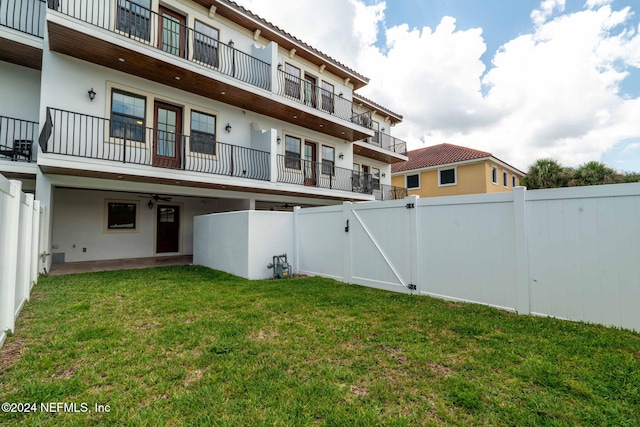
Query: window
x,y
292,81
292,152
134,18
413,181
494,175
505,179
127,116
203,133
327,97
328,160
376,136
513,181
122,215
205,40
375,181
447,177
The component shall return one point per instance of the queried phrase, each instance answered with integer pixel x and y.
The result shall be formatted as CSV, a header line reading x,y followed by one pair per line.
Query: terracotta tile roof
x,y
435,155
376,106
287,35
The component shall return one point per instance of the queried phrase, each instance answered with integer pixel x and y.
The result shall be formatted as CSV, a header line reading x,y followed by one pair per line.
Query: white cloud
x,y
547,8
554,92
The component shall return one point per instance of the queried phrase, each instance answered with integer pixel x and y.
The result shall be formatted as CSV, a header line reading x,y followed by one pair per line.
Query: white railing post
x,y
414,241
347,241
35,243
296,243
9,229
523,303
24,252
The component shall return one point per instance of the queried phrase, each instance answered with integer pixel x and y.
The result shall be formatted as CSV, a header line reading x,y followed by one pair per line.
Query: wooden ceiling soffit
x,y
20,54
80,45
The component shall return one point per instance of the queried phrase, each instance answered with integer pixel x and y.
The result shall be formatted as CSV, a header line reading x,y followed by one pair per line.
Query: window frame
x,y
328,166
292,82
406,181
215,134
204,43
137,12
513,181
375,182
127,116
294,161
449,184
108,229
327,102
505,179
494,175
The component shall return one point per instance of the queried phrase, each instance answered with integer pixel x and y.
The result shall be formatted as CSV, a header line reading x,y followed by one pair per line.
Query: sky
x,y
524,80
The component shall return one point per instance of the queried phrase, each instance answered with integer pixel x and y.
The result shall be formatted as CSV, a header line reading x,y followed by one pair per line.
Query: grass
x,y
188,345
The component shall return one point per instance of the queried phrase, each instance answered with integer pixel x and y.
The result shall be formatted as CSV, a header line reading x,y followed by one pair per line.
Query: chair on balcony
x,y
21,148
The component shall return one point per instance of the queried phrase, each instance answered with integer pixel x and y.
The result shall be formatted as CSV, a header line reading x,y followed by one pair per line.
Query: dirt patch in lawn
x,y
11,352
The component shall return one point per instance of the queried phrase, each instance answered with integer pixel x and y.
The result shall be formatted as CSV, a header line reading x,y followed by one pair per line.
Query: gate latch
x,y
411,205
412,286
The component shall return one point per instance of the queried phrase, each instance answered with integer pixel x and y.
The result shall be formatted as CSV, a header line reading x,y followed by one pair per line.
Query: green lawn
x,y
188,345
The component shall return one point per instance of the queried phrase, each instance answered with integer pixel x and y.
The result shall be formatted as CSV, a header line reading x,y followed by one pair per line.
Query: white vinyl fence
x,y
20,218
571,253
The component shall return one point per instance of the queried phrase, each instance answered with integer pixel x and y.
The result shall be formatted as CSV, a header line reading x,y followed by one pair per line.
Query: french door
x,y
172,32
309,163
168,135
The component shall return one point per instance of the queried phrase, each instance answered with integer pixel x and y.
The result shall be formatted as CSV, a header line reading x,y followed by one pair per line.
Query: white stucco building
x,y
127,119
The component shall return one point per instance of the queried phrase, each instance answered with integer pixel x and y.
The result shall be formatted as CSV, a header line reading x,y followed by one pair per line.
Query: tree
x,y
546,173
632,177
594,173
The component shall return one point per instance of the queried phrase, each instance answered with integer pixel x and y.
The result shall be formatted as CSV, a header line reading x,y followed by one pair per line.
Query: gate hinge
x,y
412,286
411,205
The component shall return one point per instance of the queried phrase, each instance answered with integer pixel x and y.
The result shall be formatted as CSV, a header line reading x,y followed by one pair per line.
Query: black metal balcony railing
x,y
81,135
388,142
26,16
390,192
294,170
16,139
307,93
166,32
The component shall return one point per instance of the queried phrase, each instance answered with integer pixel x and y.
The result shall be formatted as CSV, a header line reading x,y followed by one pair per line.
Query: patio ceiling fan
x,y
153,198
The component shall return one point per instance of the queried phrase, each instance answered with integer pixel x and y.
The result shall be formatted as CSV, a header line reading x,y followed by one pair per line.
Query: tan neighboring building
x,y
451,170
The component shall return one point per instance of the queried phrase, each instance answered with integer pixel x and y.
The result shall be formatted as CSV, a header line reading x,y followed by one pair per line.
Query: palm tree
x,y
546,173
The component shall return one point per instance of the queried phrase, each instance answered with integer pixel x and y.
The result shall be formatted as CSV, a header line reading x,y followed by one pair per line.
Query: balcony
x,y
26,20
16,139
314,96
383,147
79,135
390,192
158,46
294,170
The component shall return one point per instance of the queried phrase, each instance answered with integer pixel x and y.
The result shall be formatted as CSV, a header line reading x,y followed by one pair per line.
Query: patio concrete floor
x,y
117,264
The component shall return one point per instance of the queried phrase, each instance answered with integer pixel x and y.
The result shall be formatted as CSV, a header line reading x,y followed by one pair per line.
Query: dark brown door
x,y
168,236
310,164
168,135
171,32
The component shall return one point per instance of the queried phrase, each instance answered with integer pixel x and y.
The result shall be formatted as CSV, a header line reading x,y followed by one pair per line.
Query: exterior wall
x,y
472,178
243,243
79,222
499,186
19,92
